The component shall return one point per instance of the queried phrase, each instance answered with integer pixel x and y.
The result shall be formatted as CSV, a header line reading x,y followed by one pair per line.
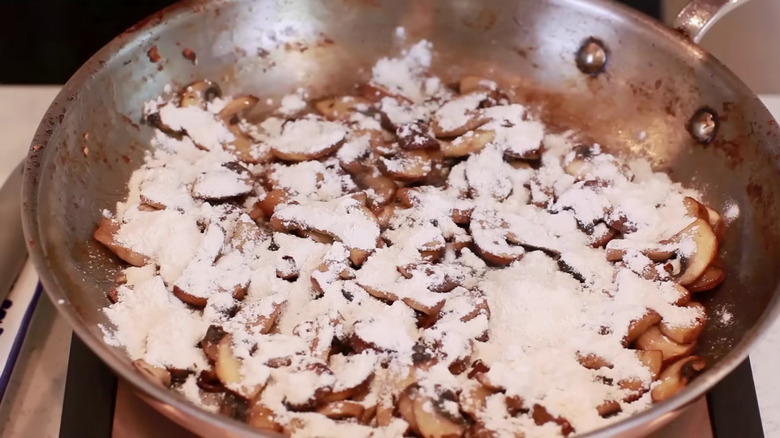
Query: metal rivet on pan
x,y
592,57
703,125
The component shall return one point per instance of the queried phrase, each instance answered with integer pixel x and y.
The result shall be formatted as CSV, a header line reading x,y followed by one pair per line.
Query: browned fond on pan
x,y
653,83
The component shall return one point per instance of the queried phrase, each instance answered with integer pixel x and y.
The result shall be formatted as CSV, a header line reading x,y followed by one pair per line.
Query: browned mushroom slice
x,y
321,380
593,361
676,377
106,233
608,408
641,325
712,277
341,410
341,108
717,223
473,400
155,374
210,342
375,93
423,302
618,248
382,188
260,316
483,377
242,146
287,269
226,366
653,339
413,136
459,115
698,210
262,417
246,234
428,416
579,163
542,416
385,214
369,413
652,360
156,121
353,376
407,166
699,246
306,139
468,143
199,93
193,300
316,236
269,201
442,277
688,333
601,235
221,184
470,84
478,306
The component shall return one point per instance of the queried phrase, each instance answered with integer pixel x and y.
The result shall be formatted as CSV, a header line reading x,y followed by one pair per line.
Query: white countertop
x,y
33,402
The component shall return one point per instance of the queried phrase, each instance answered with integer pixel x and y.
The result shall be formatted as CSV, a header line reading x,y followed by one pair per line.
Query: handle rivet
x,y
592,57
703,125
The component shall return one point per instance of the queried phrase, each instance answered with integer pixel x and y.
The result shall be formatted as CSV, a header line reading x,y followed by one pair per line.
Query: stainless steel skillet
x,y
620,78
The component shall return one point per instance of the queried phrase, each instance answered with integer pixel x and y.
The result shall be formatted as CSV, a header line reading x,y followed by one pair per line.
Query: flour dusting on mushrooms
x,y
409,258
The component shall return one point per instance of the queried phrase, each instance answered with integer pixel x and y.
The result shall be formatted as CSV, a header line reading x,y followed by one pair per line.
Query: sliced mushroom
x,y
287,269
193,300
375,93
199,93
608,408
341,410
473,400
437,277
246,234
705,248
341,108
469,84
676,377
426,306
601,235
221,184
242,146
713,276
617,249
654,339
593,361
153,373
106,233
210,342
698,210
309,138
226,366
260,316
317,370
408,166
579,164
652,360
689,333
414,135
479,306
459,115
426,416
383,188
641,325
262,417
267,203
542,416
468,143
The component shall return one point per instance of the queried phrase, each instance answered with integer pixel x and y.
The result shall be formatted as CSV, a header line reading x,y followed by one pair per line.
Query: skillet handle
x,y
698,16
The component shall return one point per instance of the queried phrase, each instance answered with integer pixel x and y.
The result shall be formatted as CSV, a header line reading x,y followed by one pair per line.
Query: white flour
x,y
285,298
